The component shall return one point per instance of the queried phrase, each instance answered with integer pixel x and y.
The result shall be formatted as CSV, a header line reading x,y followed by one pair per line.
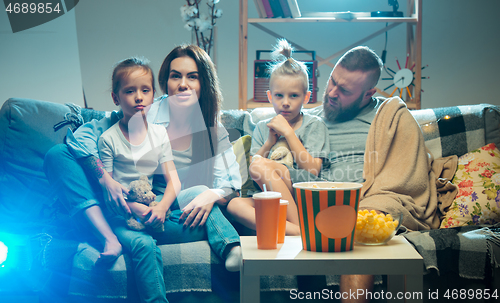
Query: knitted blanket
x,y
399,171
466,250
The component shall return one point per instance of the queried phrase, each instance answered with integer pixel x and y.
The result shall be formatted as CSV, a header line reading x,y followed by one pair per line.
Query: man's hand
x,y
114,195
197,211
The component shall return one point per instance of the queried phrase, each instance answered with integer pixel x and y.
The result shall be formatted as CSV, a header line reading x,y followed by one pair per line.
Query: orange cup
x,y
282,221
267,205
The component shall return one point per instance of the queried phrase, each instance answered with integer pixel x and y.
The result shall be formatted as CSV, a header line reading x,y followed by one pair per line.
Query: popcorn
x,y
372,227
316,186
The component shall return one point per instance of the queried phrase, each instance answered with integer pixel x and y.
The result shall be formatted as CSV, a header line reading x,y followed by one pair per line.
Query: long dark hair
x,y
204,144
210,98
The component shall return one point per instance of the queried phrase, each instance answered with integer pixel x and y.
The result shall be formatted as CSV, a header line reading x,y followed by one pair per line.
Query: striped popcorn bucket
x,y
327,214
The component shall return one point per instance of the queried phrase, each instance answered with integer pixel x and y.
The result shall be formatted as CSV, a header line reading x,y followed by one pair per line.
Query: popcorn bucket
x,y
327,214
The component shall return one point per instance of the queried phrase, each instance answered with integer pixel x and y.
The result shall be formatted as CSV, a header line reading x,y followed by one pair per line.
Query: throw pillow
x,y
478,181
241,149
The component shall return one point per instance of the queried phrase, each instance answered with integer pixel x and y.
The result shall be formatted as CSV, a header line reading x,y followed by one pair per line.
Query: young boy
x,y
306,136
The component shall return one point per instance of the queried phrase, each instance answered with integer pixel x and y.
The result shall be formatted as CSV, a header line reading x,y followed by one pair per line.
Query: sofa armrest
x,y
28,129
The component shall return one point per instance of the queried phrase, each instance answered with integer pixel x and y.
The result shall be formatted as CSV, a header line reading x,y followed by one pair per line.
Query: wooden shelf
x,y
332,19
413,45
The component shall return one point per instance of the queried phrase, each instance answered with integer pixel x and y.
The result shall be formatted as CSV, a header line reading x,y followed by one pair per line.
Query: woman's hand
x,y
197,211
114,195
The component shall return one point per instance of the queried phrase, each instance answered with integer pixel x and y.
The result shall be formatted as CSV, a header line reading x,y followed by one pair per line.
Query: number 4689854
x,y
474,294
32,8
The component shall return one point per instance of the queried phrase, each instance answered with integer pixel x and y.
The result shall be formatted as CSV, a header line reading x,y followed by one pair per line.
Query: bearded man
x,y
377,142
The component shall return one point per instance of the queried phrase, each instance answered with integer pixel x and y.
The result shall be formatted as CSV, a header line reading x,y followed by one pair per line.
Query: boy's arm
x,y
302,157
315,137
266,147
262,144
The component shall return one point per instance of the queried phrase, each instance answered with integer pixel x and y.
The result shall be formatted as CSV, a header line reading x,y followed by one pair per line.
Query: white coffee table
x,y
397,258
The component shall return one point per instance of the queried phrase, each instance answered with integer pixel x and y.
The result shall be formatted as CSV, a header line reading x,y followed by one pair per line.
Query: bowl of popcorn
x,y
374,228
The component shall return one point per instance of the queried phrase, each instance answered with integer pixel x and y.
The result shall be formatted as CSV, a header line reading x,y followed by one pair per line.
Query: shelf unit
x,y
413,46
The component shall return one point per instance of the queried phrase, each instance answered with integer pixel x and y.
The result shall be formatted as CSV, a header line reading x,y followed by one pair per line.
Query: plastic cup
x,y
267,205
282,221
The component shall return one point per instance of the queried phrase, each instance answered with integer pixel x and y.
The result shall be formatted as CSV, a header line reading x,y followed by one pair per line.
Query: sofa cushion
x,y
478,180
187,266
237,123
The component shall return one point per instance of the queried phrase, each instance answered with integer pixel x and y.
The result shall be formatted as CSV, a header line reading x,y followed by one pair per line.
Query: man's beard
x,y
341,114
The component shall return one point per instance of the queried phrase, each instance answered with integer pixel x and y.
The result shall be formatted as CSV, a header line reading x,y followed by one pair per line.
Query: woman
x,y
75,172
202,152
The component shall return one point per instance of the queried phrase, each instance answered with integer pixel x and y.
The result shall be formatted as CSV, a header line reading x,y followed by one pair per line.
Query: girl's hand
x,y
114,195
280,125
156,216
197,211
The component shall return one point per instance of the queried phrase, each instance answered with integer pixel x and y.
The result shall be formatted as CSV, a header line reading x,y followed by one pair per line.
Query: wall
x,y
42,62
458,47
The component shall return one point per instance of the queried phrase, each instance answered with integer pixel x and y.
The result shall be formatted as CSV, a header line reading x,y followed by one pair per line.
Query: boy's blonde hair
x,y
284,64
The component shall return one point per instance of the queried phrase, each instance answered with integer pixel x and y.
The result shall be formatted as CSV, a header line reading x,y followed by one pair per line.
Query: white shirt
x,y
127,161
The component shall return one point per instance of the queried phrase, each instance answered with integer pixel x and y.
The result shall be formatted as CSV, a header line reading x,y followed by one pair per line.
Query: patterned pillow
x,y
478,180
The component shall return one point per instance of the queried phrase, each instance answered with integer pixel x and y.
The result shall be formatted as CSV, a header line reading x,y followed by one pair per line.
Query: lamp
x,y
394,13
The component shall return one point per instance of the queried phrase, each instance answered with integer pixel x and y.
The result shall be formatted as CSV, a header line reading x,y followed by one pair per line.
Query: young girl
x,y
306,135
133,147
89,191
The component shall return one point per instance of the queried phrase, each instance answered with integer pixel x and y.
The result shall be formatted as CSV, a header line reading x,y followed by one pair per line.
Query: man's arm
x,y
112,190
101,168
83,145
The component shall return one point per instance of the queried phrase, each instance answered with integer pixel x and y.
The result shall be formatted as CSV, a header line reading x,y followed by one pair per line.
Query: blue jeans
x,y
219,232
77,191
143,248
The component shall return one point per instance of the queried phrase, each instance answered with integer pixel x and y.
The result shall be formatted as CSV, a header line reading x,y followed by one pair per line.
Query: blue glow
x,y
3,253
9,249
